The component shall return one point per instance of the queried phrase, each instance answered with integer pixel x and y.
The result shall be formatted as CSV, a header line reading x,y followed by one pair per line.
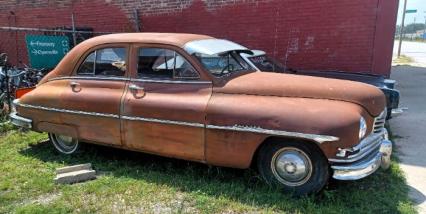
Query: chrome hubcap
x,y
64,144
65,140
291,166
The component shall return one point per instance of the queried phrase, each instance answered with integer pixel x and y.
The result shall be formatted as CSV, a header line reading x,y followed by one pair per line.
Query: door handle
x,y
135,87
74,84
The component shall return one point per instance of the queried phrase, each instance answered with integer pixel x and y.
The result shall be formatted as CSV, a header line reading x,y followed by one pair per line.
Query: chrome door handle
x,y
74,84
135,87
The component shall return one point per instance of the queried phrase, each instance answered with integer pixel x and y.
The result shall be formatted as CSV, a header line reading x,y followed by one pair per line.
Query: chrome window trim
x,y
253,129
171,81
91,78
131,79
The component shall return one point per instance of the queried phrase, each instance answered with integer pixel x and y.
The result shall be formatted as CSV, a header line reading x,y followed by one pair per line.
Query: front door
x,y
164,105
93,95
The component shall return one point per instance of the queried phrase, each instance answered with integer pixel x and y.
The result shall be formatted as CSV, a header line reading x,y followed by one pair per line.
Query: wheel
x,y
64,144
298,168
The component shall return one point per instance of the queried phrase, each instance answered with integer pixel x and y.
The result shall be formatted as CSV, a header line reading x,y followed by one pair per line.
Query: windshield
x,y
265,63
223,64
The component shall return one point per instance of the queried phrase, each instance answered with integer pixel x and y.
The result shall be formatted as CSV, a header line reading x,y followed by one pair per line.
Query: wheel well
x,y
282,139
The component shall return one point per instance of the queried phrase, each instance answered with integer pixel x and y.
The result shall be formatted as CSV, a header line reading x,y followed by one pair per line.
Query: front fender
x,y
237,125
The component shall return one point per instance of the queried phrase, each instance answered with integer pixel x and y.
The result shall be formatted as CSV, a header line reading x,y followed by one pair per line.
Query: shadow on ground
x,y
243,186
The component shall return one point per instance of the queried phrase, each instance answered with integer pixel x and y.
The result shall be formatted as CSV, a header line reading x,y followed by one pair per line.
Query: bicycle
x,y
14,78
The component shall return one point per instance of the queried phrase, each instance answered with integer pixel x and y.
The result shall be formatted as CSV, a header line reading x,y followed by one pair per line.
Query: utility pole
x,y
402,28
74,37
424,31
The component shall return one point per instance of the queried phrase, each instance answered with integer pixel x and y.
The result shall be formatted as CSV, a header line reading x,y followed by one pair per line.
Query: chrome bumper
x,y
398,111
377,152
20,121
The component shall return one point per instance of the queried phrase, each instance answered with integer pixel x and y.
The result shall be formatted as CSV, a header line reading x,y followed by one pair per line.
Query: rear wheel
x,y
64,144
298,168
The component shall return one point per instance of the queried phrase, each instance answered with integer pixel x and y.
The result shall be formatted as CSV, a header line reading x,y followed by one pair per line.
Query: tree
x,y
411,28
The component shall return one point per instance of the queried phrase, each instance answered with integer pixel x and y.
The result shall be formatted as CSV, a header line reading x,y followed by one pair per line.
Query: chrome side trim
x,y
153,120
68,111
91,78
315,137
131,79
171,81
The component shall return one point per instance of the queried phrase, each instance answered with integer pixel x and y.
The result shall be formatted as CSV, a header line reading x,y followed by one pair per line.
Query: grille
x,y
379,122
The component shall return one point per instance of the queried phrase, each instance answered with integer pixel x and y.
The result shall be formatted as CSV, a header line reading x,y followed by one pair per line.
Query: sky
x,y
420,5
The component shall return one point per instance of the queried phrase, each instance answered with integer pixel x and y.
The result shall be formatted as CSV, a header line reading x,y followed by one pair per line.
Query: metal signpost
x,y
402,25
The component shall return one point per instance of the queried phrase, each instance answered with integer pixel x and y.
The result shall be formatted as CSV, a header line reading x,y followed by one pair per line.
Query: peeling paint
x,y
309,43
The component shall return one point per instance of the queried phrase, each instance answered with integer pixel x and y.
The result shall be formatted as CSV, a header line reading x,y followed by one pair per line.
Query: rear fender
x,y
62,129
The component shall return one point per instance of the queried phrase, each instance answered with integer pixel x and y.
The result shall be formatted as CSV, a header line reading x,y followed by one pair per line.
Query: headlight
x,y
362,128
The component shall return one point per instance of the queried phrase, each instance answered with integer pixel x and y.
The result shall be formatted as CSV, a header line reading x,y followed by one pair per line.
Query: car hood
x,y
289,85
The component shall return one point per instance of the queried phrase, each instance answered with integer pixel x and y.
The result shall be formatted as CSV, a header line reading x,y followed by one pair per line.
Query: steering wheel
x,y
229,67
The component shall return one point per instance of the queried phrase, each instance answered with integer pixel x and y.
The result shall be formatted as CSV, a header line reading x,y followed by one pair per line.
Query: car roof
x,y
66,65
177,39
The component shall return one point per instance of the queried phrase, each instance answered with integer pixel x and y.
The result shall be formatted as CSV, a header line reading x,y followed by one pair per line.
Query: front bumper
x,y
17,120
374,152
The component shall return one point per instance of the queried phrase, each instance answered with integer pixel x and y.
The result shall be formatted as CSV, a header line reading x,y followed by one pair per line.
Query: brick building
x,y
346,35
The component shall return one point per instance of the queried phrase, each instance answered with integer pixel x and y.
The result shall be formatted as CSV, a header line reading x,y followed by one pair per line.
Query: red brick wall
x,y
344,35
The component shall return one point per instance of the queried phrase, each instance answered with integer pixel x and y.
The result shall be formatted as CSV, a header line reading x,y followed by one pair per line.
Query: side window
x,y
105,62
161,63
88,66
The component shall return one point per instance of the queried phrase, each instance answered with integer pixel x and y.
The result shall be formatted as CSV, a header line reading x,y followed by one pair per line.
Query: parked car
x,y
262,62
194,97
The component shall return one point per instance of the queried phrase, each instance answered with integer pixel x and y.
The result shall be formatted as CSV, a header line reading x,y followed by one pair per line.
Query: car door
x,y
92,98
164,106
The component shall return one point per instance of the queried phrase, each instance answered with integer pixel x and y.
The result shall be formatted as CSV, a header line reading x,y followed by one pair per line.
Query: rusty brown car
x,y
193,97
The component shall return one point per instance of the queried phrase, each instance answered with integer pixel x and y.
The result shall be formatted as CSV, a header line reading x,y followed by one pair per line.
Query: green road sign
x,y
411,11
46,51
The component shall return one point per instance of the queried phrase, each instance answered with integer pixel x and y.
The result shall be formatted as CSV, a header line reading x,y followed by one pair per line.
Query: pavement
x,y
414,50
410,130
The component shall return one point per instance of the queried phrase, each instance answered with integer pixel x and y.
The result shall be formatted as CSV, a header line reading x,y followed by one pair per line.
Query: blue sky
x,y
420,5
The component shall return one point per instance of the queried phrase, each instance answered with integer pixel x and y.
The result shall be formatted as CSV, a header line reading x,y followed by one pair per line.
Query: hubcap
x,y
64,144
67,141
291,166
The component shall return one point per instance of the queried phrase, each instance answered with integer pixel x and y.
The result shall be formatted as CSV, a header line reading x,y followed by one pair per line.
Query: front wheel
x,y
298,168
64,144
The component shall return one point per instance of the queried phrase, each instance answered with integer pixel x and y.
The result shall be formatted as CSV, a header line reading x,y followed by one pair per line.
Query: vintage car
x,y
193,97
262,62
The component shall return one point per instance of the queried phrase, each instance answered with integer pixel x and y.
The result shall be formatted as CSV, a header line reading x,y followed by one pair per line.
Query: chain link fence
x,y
13,40
26,54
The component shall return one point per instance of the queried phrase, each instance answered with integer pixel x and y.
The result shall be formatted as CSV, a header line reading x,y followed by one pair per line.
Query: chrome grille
x,y
379,122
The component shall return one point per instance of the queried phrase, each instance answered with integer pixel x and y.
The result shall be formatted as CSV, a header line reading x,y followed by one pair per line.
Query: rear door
x,y
92,98
165,103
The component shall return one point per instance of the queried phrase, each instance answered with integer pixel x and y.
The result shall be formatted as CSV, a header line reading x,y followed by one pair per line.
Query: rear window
x,y
265,63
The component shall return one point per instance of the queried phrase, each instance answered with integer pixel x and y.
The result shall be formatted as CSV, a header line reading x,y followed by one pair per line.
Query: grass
x,y
131,182
402,60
